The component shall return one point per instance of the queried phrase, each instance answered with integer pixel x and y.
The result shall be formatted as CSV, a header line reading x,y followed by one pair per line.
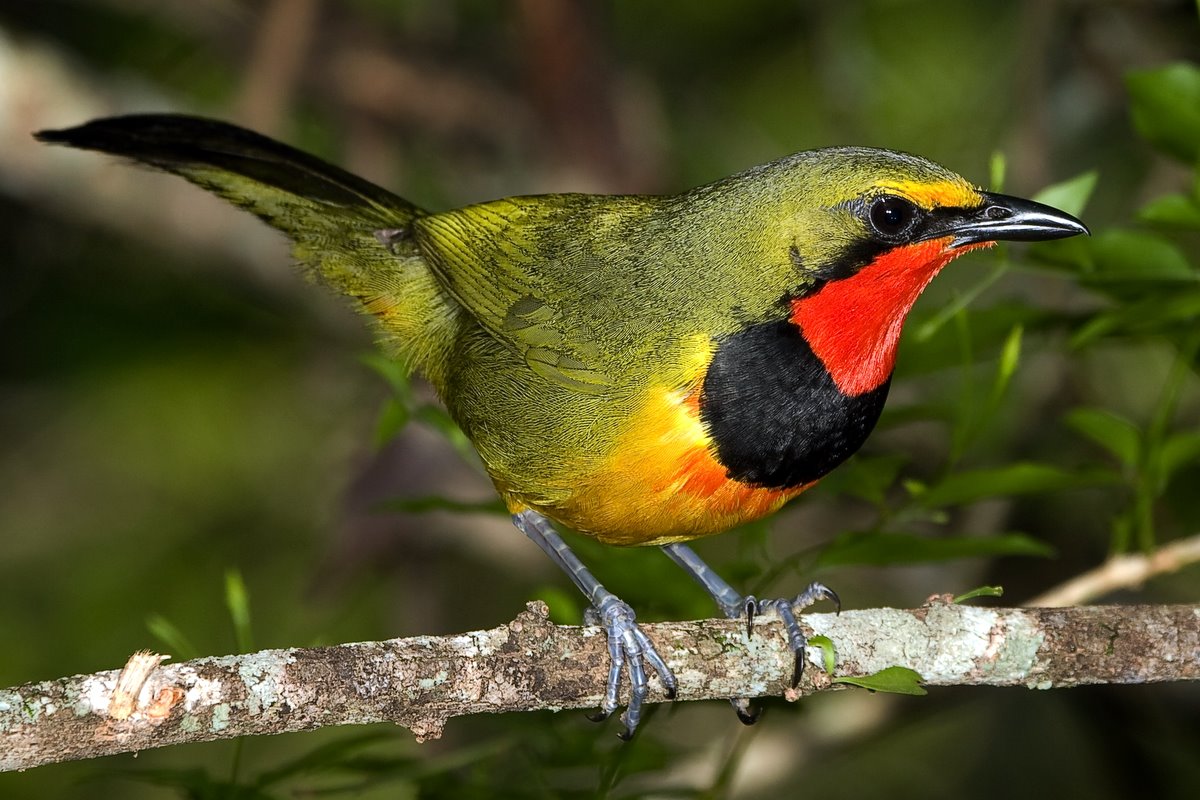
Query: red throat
x,y
853,324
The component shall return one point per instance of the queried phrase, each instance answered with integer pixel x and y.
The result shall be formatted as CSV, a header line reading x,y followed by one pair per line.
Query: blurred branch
x,y
570,84
276,62
443,100
1121,572
531,663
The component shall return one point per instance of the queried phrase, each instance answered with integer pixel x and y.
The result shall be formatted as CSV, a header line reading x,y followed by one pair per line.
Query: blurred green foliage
x,y
178,426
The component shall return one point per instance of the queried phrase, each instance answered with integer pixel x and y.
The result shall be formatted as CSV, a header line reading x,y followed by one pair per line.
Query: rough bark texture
x,y
531,663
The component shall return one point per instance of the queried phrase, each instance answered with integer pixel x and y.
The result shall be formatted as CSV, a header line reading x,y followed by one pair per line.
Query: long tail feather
x,y
348,231
202,150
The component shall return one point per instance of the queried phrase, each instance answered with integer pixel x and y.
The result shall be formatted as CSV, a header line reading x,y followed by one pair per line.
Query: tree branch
x,y
1125,571
531,663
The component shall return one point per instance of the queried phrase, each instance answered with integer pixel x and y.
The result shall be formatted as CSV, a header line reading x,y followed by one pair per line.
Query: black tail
x,y
202,150
331,216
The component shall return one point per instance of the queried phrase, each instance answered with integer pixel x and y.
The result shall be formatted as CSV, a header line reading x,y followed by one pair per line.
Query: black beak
x,y
1004,218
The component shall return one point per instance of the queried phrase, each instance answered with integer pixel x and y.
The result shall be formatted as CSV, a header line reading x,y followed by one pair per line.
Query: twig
x,y
533,664
1121,572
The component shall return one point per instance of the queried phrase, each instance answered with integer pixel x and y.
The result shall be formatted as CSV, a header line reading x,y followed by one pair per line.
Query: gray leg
x,y
735,606
627,644
732,604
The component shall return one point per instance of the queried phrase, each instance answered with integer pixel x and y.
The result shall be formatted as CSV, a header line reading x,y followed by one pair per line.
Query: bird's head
x,y
865,230
844,207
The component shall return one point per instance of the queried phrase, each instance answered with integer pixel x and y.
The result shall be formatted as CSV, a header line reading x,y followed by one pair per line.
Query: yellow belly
x,y
660,483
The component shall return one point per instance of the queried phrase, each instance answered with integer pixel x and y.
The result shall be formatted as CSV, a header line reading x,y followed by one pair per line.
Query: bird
x,y
641,369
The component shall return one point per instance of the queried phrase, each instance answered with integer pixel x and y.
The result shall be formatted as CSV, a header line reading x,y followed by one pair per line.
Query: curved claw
x,y
629,646
749,609
787,611
746,713
815,593
736,606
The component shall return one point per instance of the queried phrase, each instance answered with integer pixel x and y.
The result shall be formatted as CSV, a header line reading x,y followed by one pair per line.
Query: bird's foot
x,y
628,647
788,611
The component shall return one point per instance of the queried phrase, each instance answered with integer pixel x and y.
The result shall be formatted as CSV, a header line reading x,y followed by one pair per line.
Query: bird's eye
x,y
892,217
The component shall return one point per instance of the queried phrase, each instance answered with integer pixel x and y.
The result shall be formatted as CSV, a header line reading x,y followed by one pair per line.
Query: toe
x,y
629,648
746,713
798,668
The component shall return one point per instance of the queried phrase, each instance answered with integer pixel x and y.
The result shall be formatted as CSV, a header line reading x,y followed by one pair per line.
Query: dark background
x,y
176,406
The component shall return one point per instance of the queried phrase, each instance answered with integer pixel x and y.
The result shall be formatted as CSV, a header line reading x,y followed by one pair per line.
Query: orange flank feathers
x,y
662,476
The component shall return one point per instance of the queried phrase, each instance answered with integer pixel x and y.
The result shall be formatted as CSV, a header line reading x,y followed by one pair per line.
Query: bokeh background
x,y
180,414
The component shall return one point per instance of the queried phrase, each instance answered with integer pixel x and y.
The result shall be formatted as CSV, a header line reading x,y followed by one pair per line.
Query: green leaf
x,y
828,652
1126,255
878,548
896,414
1156,312
1178,451
437,418
1114,433
1166,108
997,167
1010,356
372,759
174,640
981,591
391,370
1072,255
1071,195
392,419
1172,209
195,784
1118,256
237,600
928,329
866,477
330,756
990,328
1020,478
896,680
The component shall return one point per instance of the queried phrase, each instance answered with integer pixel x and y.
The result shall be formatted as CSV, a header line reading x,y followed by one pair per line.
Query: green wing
x,y
533,271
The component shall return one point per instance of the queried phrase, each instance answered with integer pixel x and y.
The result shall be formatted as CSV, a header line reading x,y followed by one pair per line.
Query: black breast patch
x,y
774,413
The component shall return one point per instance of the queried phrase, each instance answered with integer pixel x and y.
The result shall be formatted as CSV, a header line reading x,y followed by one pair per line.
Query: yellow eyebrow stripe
x,y
945,194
